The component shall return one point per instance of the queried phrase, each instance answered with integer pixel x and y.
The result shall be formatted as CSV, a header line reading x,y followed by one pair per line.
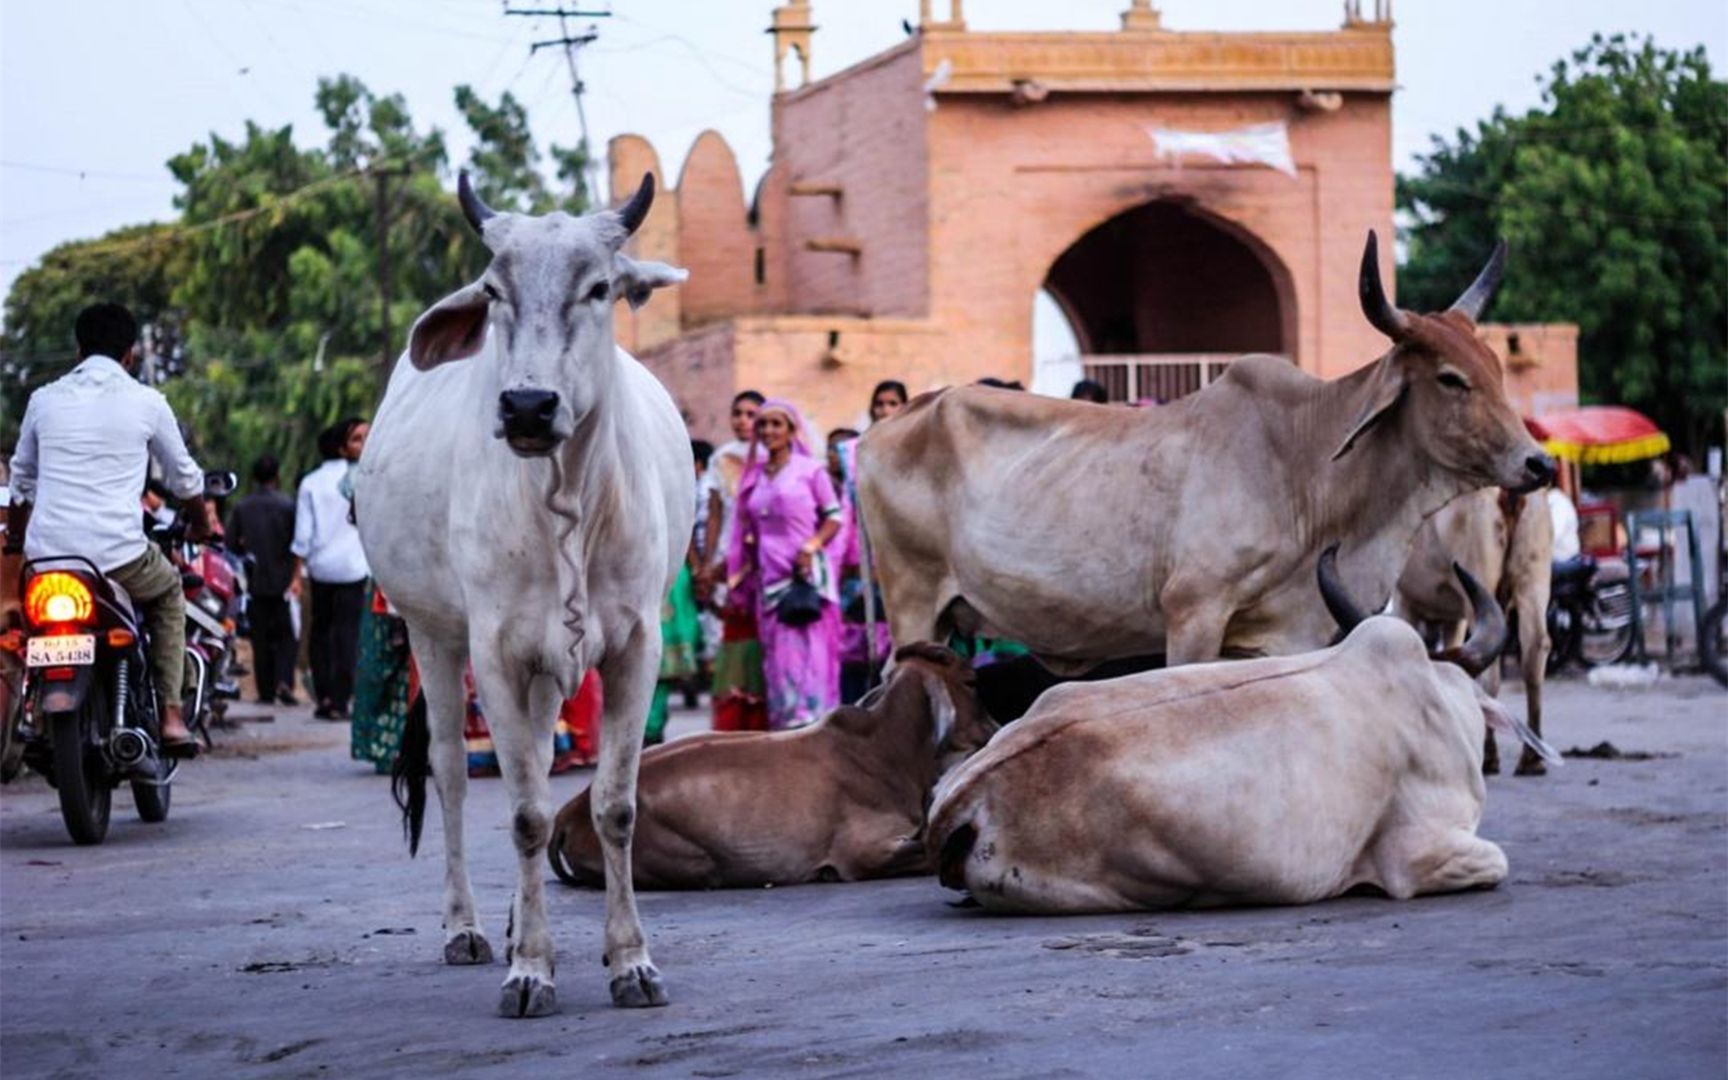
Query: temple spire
x,y
1141,15
791,29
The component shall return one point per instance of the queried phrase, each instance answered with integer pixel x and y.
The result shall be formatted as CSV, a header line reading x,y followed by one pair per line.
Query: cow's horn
x,y
1338,602
1487,628
630,215
1476,297
477,212
1379,310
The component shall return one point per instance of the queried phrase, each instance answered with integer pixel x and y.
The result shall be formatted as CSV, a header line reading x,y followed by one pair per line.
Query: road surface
x,y
275,927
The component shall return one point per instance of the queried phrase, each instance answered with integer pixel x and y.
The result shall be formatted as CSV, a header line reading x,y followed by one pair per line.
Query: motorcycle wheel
x,y
1605,635
80,773
152,799
1562,636
1713,646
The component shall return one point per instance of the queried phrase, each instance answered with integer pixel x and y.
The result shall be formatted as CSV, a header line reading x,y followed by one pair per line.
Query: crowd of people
x,y
767,614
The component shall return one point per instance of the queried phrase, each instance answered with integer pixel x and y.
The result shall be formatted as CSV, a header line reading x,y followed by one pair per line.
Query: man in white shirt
x,y
1565,517
83,454
327,550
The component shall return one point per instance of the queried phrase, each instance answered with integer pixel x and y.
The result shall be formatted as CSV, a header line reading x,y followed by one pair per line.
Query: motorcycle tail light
x,y
12,641
120,639
58,597
60,674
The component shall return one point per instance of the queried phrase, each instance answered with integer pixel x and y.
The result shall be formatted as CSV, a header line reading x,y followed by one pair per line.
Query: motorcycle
x,y
1589,614
214,586
88,716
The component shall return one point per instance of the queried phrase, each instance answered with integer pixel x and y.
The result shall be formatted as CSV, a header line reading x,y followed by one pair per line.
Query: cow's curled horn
x,y
1487,628
476,211
1474,299
630,215
1339,604
1379,310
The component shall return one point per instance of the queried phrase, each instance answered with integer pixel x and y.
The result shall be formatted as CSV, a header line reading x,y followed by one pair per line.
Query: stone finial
x,y
1353,16
956,16
1141,15
791,29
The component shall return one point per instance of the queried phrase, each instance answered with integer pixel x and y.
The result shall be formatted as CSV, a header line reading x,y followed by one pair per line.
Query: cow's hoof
x,y
1531,765
468,947
527,995
640,987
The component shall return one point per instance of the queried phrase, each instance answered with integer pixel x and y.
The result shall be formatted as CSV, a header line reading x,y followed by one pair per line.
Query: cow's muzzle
x,y
526,417
1539,471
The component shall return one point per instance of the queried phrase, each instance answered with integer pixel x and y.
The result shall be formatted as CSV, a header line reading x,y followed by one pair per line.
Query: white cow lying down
x,y
1276,781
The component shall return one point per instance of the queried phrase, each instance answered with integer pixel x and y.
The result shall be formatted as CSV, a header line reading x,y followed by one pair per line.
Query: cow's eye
x,y
599,292
490,290
1451,380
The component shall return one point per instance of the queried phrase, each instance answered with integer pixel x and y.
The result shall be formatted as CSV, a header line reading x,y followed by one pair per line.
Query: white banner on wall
x,y
1256,144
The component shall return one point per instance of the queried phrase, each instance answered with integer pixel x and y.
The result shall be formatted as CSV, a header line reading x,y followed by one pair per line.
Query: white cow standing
x,y
525,499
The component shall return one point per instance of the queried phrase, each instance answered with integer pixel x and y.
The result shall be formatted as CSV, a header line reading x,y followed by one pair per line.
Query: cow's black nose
x,y
527,413
1541,469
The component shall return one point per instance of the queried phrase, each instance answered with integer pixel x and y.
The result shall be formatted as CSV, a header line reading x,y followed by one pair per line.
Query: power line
x,y
571,45
175,231
85,174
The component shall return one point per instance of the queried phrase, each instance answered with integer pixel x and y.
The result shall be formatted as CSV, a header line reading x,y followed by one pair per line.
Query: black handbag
x,y
799,605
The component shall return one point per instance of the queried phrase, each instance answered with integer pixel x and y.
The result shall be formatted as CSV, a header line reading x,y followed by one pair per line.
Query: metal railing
x,y
1160,377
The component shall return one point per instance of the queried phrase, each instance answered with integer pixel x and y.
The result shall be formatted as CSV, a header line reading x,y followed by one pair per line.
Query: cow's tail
x,y
408,775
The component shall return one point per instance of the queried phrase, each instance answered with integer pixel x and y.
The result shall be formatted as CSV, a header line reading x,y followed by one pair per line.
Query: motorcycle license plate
x,y
60,649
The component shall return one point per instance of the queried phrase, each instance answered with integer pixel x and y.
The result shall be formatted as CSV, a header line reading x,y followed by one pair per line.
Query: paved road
x,y
276,927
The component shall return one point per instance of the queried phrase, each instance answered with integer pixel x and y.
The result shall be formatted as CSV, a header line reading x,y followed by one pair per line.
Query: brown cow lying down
x,y
840,800
1275,781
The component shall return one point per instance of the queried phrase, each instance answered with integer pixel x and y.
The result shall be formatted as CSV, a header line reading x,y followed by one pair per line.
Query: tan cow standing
x,y
1090,532
840,800
1283,780
1507,544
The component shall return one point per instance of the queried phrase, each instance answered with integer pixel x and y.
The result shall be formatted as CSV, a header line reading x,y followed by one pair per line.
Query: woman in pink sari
x,y
787,513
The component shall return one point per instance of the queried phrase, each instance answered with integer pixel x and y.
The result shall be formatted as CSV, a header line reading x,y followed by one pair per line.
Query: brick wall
x,y
698,369
1542,373
864,130
714,238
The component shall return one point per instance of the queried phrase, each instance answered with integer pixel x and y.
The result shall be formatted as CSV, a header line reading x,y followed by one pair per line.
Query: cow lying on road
x,y
840,800
1273,781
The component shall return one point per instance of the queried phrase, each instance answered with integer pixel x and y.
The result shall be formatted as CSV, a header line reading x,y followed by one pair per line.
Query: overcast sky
x,y
95,95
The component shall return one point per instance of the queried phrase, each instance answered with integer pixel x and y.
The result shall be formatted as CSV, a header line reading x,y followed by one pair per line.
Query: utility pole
x,y
571,45
381,176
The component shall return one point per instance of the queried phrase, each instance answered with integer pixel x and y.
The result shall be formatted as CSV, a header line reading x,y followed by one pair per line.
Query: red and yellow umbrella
x,y
1599,435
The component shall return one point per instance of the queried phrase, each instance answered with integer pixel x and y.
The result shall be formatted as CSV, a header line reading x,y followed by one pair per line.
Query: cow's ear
x,y
1386,391
635,281
452,329
851,719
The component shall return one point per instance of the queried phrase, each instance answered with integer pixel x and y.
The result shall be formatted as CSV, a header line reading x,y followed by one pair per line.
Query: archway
x,y
1161,297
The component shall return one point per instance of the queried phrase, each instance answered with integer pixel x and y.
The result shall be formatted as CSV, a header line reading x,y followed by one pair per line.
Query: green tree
x,y
505,163
270,277
1613,195
137,265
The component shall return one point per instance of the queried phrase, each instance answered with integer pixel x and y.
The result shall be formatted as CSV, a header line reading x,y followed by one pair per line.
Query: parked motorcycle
x,y
1713,640
214,584
1589,614
89,717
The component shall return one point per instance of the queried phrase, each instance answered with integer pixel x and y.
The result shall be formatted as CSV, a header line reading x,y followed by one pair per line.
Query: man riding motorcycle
x,y
83,454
